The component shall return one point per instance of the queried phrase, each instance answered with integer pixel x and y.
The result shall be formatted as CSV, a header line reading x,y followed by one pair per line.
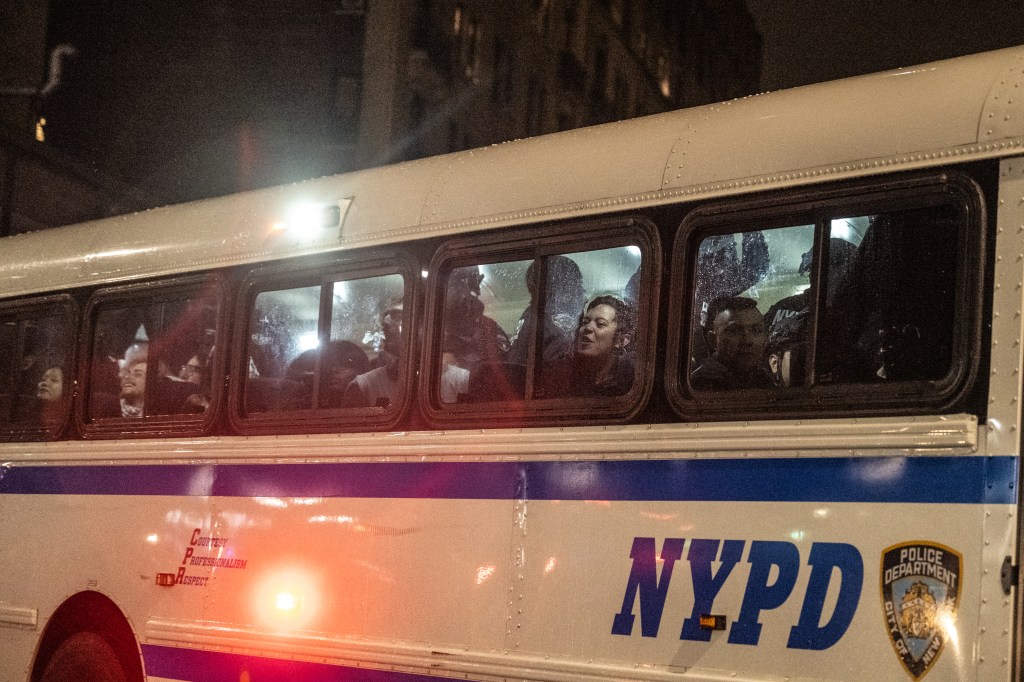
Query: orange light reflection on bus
x,y
288,599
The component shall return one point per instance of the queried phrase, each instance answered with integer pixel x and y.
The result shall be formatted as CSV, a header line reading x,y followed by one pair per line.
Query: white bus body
x,y
541,551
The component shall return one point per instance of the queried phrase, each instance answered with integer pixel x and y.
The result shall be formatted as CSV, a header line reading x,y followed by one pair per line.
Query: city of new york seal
x,y
920,595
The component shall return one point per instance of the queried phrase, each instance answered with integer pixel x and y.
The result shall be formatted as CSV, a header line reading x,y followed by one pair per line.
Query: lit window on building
x,y
664,77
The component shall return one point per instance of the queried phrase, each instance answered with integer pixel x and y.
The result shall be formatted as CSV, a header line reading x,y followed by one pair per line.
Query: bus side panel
x,y
561,564
383,570
580,602
417,570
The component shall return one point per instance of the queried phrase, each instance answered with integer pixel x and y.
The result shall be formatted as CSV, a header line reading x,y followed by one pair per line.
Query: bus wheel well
x,y
90,612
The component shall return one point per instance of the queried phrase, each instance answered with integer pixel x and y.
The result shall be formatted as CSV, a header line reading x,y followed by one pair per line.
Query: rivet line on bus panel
x,y
848,168
701,189
668,193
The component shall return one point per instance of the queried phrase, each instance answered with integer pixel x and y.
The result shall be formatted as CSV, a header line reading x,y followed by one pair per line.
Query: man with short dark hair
x,y
736,334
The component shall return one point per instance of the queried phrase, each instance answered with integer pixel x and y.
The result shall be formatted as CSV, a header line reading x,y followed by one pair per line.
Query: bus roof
x,y
965,108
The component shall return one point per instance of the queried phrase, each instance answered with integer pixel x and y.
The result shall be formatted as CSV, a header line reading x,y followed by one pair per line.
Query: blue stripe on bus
x,y
214,666
947,480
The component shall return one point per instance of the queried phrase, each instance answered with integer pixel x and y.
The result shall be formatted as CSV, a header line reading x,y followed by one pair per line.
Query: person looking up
x,y
51,386
49,395
133,387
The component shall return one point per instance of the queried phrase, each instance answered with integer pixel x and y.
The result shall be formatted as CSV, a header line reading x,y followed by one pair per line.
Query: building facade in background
x,y
169,102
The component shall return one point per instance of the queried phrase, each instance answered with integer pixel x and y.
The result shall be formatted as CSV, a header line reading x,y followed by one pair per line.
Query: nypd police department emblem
x,y
920,595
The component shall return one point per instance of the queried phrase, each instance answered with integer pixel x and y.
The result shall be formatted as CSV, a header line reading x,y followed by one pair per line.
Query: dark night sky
x,y
179,140
808,41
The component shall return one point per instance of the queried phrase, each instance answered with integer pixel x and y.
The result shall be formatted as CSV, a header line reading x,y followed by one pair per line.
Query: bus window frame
x,y
321,270
34,308
813,206
186,287
527,243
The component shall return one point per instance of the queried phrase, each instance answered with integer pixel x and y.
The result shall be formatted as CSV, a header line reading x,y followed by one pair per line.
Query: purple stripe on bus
x,y
945,480
213,666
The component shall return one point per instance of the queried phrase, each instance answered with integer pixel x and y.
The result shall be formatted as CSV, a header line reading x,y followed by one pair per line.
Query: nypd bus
x,y
725,393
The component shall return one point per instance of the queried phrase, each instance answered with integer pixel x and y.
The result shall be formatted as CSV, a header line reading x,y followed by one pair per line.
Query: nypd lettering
x,y
774,567
920,596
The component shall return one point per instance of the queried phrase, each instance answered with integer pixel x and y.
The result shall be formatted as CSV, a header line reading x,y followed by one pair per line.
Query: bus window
x,y
35,365
482,303
152,359
596,350
888,315
494,348
336,345
563,300
745,282
882,309
788,320
363,367
283,327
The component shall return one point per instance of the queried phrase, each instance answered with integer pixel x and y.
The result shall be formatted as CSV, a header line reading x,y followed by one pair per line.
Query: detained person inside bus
x,y
736,335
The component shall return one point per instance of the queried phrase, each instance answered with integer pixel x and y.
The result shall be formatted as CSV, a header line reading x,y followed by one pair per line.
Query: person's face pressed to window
x,y
740,339
596,336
